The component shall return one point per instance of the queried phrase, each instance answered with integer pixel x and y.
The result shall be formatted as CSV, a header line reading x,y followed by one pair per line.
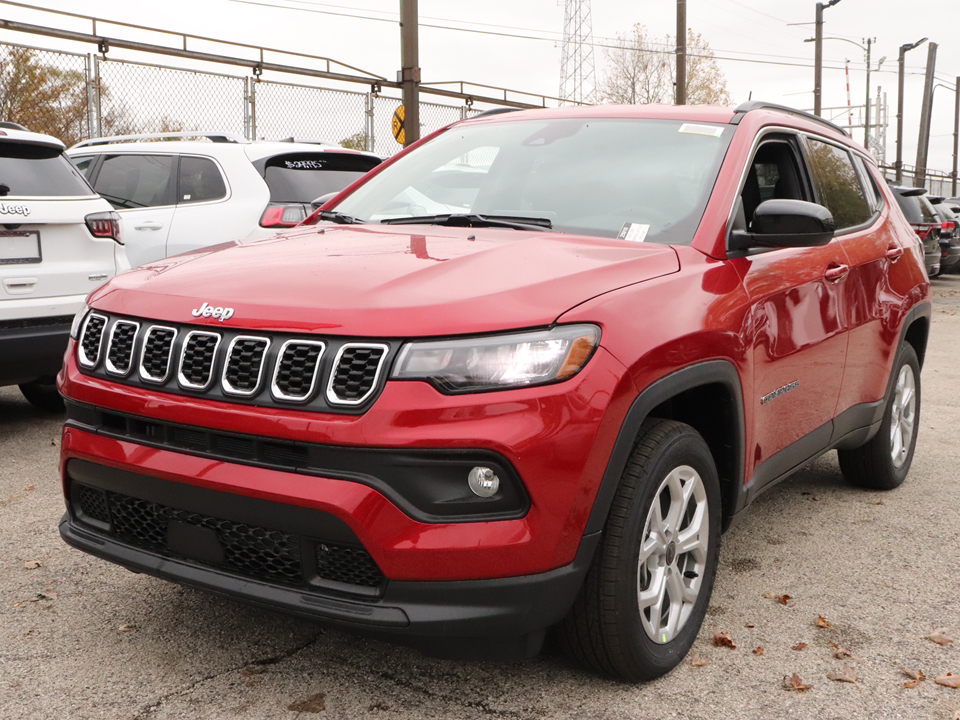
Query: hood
x,y
386,281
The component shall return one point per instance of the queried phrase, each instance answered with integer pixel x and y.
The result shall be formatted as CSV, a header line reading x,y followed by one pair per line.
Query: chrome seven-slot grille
x,y
235,366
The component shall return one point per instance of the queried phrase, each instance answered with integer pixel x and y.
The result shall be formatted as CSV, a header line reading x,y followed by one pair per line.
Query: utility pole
x,y
898,164
956,133
866,117
410,69
926,110
818,55
681,92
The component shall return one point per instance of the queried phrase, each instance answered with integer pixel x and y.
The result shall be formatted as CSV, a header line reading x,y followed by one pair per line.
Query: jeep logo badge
x,y
14,210
220,313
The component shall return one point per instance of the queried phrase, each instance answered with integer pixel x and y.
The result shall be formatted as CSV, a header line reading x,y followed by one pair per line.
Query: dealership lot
x,y
81,638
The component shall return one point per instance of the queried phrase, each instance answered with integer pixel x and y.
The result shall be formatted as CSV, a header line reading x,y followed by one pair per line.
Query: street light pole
x,y
898,165
866,116
818,55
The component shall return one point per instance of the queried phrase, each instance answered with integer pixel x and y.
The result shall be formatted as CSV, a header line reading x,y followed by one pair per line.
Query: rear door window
x,y
137,181
303,177
200,180
29,170
837,184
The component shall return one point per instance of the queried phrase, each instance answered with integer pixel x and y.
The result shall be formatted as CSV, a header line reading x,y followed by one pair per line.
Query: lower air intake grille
x,y
347,564
249,550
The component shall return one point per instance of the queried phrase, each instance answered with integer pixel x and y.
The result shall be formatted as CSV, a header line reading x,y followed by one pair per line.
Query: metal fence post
x,y
253,107
368,131
246,109
93,97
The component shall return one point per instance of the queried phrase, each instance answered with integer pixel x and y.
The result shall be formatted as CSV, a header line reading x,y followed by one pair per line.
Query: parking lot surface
x,y
874,573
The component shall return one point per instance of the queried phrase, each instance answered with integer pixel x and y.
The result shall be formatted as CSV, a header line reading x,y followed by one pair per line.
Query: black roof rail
x,y
746,107
494,111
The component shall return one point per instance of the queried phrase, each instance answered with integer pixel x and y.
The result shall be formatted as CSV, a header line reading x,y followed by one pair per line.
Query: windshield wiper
x,y
340,218
471,220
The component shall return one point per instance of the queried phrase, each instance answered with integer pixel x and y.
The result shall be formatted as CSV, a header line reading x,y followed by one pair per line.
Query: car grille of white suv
x,y
328,374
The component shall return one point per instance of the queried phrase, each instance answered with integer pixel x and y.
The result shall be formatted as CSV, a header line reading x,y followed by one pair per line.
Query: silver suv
x,y
58,241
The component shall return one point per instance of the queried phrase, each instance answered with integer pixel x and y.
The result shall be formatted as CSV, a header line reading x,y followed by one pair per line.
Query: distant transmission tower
x,y
577,81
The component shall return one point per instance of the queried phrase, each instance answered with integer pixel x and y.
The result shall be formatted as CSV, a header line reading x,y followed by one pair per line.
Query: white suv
x,y
58,241
181,194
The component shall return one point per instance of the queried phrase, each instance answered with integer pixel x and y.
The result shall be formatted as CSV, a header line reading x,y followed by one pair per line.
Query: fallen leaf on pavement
x,y
940,637
759,651
749,625
848,675
822,622
699,661
948,680
28,488
723,640
795,683
313,704
127,628
913,674
782,599
842,653
32,564
799,646
248,672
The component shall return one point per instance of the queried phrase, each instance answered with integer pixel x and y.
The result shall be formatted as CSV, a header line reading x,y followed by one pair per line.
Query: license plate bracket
x,y
20,247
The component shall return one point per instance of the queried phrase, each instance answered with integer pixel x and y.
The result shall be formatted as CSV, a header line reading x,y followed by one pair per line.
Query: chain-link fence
x,y
47,91
75,97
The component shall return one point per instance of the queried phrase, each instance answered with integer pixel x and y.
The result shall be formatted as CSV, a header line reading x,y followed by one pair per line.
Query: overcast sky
x,y
516,43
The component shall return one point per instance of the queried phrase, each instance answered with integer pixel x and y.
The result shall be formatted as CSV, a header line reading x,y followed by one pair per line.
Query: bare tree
x,y
642,70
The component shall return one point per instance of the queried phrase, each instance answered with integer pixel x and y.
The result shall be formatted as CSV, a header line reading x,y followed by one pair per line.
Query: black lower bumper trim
x,y
30,352
501,618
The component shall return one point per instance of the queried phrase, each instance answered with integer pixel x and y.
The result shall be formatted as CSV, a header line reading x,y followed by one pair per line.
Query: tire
x,y
616,626
883,462
43,395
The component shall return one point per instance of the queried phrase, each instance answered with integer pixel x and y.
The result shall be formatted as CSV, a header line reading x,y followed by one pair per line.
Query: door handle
x,y
836,272
894,253
148,225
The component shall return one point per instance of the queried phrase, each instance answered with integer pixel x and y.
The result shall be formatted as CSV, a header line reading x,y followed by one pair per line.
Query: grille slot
x,y
123,336
347,564
244,366
197,359
91,340
295,376
93,503
156,352
355,373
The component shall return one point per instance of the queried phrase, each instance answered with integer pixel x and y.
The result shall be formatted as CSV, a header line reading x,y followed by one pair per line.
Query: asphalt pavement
x,y
871,573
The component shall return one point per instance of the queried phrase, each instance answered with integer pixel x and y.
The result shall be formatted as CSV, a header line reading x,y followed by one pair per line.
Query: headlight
x,y
499,362
78,321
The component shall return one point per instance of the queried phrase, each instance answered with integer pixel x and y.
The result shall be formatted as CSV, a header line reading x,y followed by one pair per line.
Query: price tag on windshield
x,y
633,232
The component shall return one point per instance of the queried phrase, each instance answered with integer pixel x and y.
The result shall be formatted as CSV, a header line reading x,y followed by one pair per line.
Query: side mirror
x,y
786,223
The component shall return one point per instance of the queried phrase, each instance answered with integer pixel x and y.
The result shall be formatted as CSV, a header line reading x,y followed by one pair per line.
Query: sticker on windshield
x,y
711,130
633,232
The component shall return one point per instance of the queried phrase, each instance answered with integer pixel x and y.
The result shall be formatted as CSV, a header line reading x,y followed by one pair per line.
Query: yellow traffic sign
x,y
397,126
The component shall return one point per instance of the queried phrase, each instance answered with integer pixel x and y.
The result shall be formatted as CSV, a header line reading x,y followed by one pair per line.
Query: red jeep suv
x,y
519,377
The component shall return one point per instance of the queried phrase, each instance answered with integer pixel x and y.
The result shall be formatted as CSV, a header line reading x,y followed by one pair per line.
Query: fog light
x,y
483,482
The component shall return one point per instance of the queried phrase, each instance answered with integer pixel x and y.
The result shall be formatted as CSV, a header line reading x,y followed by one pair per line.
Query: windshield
x,y
640,179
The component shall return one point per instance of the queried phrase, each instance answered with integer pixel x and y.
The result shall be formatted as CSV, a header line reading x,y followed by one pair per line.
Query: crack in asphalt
x,y
480,705
157,704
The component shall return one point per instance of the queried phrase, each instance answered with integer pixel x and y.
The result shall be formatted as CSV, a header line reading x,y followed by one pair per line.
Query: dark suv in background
x,y
924,220
949,234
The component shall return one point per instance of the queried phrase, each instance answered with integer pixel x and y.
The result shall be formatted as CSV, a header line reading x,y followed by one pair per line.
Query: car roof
x,y
214,144
9,134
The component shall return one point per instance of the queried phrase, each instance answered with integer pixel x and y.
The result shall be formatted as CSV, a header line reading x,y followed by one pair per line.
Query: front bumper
x,y
32,348
501,618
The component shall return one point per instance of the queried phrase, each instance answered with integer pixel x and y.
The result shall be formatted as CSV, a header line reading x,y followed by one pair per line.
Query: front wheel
x,y
647,590
883,463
